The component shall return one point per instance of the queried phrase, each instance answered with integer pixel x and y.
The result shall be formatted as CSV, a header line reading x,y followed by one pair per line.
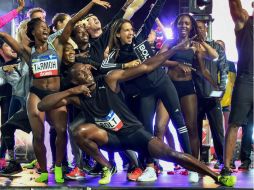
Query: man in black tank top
x,y
111,125
242,98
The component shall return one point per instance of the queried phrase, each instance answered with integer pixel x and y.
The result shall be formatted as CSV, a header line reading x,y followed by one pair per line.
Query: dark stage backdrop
x,y
168,13
72,6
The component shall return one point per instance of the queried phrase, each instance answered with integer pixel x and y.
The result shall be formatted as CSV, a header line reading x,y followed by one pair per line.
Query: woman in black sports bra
x,y
44,61
186,61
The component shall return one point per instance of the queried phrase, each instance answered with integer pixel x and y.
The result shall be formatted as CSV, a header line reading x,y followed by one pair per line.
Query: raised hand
x,y
104,4
90,67
185,44
21,5
81,89
9,68
186,69
131,64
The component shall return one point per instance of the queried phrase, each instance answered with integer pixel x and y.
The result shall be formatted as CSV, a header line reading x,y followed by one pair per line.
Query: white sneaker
x,y
193,177
148,175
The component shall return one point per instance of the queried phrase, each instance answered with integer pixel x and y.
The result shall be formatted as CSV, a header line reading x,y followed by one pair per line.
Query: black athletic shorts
x,y
41,93
184,88
242,100
135,140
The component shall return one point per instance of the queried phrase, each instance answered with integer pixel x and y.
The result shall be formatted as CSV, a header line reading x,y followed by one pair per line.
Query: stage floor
x,y
25,181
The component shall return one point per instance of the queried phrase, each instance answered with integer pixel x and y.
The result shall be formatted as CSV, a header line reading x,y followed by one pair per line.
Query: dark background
x,y
169,11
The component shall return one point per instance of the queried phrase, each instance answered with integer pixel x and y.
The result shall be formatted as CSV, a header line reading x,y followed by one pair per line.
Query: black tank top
x,y
244,43
182,56
107,109
186,56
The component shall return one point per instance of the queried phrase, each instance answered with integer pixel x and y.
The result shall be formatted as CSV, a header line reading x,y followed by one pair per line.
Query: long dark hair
x,y
194,27
114,41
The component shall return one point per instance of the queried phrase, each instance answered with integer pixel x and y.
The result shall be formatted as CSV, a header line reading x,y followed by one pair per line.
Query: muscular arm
x,y
167,63
57,100
63,38
113,78
18,48
210,52
238,15
69,26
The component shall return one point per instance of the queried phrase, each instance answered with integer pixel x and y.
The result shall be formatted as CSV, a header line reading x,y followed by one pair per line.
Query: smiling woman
x,y
44,61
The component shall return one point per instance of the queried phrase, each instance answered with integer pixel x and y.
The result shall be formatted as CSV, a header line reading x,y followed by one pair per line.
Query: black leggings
x,y
211,107
145,107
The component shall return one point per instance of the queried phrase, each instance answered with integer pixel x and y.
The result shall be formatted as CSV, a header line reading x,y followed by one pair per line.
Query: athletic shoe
x,y
184,172
225,171
245,165
106,175
171,172
76,174
12,168
148,175
134,174
97,170
30,165
2,163
193,177
225,178
228,181
218,164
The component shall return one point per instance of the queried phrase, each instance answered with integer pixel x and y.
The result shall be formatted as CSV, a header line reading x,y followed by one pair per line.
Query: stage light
x,y
201,7
169,33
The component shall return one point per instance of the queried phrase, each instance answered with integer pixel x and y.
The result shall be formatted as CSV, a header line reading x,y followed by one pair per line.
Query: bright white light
x,y
169,33
223,26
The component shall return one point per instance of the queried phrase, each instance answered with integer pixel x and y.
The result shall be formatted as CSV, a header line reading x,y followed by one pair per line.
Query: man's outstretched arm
x,y
116,76
63,98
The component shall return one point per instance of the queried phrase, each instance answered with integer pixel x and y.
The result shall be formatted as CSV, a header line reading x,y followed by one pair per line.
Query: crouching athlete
x,y
111,125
